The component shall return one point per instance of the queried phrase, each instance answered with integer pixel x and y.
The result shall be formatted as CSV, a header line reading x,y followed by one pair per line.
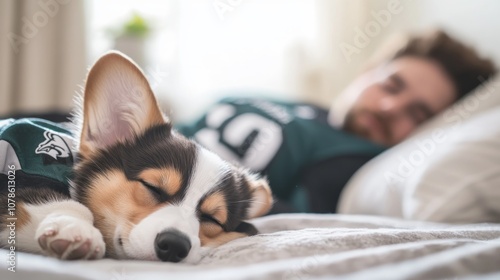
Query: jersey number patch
x,y
249,139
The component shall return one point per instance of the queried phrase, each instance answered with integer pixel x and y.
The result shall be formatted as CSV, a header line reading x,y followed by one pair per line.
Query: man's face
x,y
396,98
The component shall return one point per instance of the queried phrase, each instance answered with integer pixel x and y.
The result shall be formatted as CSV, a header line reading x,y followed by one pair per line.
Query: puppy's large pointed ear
x,y
262,198
118,104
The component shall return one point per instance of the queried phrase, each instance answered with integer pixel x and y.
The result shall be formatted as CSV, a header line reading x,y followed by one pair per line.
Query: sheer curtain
x,y
42,55
342,48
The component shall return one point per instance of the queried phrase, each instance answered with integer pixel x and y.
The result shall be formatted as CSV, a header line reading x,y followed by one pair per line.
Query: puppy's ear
x,y
118,104
262,198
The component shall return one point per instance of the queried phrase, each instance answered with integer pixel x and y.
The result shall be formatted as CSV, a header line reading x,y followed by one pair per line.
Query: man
x,y
308,154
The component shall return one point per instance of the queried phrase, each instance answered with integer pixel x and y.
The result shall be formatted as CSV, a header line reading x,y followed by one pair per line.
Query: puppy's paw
x,y
70,238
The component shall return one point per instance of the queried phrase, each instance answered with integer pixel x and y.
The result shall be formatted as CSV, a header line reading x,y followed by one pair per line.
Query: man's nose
x,y
392,107
172,245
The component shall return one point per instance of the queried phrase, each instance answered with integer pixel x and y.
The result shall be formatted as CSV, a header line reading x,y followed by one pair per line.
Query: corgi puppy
x,y
139,189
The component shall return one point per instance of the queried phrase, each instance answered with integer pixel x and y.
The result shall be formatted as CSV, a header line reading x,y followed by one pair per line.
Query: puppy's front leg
x,y
60,228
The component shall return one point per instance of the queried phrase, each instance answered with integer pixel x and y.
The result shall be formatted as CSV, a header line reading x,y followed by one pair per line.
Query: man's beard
x,y
351,125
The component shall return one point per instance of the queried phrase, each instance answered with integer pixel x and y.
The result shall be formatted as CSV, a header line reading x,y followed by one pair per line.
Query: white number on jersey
x,y
255,154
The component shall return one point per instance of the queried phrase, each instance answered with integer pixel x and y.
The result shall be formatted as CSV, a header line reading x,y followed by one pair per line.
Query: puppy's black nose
x,y
172,245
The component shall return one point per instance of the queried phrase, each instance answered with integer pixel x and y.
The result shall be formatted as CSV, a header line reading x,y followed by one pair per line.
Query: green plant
x,y
136,26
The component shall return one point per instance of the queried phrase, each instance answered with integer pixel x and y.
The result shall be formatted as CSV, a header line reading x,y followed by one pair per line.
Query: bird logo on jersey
x,y
55,147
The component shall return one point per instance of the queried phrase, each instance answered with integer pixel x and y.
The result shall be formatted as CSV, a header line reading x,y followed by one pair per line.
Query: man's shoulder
x,y
282,111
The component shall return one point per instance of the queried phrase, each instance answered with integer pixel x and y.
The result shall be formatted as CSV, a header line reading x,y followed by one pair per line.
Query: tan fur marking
x,y
168,179
115,200
261,192
22,215
216,206
212,235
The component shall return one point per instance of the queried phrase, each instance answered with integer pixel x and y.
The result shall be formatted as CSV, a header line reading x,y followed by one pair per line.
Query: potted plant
x,y
131,38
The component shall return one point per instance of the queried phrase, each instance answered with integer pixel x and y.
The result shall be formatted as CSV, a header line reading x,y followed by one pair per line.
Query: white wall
x,y
249,46
286,48
476,22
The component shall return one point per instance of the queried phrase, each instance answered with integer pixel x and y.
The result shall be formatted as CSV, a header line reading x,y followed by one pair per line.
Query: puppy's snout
x,y
172,246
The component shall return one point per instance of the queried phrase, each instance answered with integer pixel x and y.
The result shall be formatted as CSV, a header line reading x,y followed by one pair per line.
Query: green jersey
x,y
34,152
277,139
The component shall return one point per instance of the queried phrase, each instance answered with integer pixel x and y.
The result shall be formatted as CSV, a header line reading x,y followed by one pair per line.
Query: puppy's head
x,y
155,195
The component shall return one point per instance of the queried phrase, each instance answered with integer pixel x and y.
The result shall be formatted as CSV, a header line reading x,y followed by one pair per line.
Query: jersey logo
x,y
55,147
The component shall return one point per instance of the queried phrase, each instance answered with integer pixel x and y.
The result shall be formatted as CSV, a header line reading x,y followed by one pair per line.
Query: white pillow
x,y
448,171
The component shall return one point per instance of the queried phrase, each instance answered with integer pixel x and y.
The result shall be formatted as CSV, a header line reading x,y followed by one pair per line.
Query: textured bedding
x,y
305,246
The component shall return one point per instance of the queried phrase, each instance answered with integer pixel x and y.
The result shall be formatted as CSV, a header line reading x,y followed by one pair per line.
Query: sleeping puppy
x,y
139,189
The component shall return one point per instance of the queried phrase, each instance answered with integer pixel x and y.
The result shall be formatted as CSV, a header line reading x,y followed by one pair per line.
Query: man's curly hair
x,y
462,63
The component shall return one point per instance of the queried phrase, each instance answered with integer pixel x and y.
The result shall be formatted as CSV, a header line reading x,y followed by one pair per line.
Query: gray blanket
x,y
310,246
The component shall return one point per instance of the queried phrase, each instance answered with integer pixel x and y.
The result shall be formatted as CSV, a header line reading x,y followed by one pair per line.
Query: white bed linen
x,y
306,246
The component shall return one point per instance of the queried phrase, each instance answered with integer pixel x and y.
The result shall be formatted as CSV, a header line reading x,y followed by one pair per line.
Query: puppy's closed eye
x,y
205,218
158,193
